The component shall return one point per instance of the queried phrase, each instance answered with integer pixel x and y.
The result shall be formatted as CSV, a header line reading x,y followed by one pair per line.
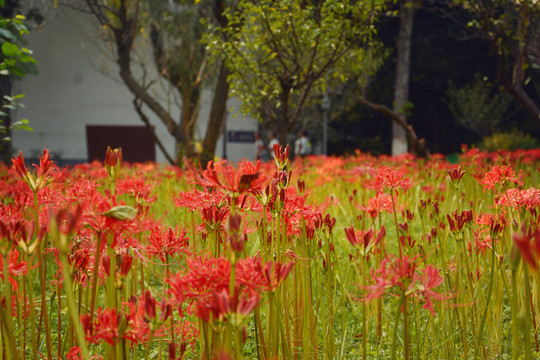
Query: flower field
x,y
321,258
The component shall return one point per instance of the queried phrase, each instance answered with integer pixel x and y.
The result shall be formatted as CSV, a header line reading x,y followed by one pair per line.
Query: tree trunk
x,y
6,83
216,117
401,89
5,121
283,115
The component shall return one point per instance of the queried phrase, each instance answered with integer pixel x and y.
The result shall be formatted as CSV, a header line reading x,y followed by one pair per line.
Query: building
x,y
78,86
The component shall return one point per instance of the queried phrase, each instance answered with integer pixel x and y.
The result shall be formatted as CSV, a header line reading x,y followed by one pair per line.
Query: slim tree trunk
x,y
283,115
217,116
5,122
401,90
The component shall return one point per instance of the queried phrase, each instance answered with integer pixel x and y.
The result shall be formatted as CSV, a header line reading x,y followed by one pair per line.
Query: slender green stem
x,y
72,308
480,334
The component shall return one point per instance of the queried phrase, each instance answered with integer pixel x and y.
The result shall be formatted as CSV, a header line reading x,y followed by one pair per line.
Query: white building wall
x,y
77,85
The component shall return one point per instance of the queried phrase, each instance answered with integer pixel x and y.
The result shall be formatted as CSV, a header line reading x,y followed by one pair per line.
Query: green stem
x,y
396,322
72,308
7,319
396,223
488,299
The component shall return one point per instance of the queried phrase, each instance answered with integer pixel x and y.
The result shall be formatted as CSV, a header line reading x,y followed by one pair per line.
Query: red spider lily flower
x,y
104,328
376,205
407,278
236,239
520,199
458,221
202,276
248,177
392,272
364,238
113,162
500,175
167,243
281,155
196,200
136,188
280,272
75,354
428,279
149,305
389,180
15,267
482,241
43,171
528,244
223,307
455,175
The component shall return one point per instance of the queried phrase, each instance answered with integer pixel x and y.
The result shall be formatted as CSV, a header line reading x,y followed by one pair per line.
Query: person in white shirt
x,y
260,152
273,140
302,146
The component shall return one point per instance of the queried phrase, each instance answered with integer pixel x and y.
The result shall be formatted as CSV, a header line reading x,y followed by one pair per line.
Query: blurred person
x,y
273,140
302,145
260,151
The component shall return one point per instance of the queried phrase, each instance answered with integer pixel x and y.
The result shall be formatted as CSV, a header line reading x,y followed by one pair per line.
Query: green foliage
x,y
16,60
479,106
510,141
283,50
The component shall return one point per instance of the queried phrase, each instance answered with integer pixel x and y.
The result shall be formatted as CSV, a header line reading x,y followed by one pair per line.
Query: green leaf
x,y
17,71
6,34
10,49
121,212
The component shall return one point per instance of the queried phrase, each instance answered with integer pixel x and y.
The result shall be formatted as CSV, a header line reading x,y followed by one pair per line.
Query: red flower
x,y
364,238
388,179
15,267
500,175
528,244
43,171
425,282
166,242
378,204
248,177
405,276
455,175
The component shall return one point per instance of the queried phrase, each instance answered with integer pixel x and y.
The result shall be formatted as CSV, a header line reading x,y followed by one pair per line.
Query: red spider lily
x,y
393,271
113,162
236,239
223,307
281,155
520,199
43,171
500,175
528,244
196,200
75,354
164,242
376,205
248,177
389,179
428,279
111,325
15,267
203,276
280,272
407,278
137,188
458,221
455,175
364,238
482,241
